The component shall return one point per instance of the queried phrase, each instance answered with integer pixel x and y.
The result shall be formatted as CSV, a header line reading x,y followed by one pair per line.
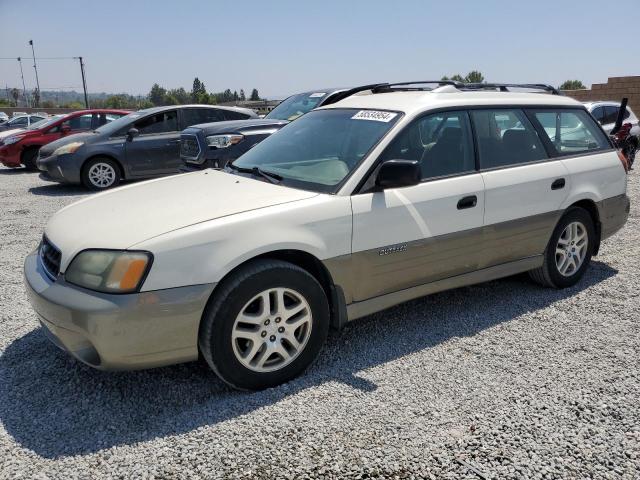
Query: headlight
x,y
12,139
68,148
109,271
223,141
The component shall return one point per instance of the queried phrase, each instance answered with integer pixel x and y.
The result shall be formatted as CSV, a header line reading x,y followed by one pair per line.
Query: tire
x,y
100,173
28,158
224,337
555,272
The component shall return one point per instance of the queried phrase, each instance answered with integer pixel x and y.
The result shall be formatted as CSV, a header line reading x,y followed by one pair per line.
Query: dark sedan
x,y
215,145
143,144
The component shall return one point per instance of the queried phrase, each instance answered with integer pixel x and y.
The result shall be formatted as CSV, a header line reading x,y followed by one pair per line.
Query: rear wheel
x,y
569,250
100,173
28,158
265,325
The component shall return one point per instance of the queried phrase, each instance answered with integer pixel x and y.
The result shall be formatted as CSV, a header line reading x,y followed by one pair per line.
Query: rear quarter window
x,y
571,131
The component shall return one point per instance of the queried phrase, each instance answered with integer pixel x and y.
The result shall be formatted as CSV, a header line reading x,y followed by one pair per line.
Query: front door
x,y
156,149
410,236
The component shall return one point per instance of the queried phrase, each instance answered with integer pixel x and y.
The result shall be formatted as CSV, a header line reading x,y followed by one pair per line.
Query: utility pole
x,y
35,68
84,84
24,89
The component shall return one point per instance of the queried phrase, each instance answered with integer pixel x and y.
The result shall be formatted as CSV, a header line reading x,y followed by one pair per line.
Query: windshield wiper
x,y
258,172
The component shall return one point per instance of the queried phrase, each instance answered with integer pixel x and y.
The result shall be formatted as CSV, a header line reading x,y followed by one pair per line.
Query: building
x,y
615,89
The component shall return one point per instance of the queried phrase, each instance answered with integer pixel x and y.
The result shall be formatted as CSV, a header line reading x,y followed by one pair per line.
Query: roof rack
x,y
386,87
352,91
504,87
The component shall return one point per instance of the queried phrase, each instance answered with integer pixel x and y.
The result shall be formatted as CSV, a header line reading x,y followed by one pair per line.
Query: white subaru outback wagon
x,y
395,192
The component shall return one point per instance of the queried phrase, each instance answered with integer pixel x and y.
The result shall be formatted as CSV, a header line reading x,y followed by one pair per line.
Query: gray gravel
x,y
500,380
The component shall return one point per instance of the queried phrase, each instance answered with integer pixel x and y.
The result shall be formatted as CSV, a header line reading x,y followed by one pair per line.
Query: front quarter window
x,y
321,149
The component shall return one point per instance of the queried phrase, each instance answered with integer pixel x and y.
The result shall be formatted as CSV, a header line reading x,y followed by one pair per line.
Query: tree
x,y
458,78
198,89
235,96
36,97
180,94
474,77
254,95
157,94
572,85
15,94
243,97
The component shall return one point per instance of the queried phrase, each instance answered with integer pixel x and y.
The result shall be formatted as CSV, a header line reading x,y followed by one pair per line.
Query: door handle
x,y
173,142
467,202
558,184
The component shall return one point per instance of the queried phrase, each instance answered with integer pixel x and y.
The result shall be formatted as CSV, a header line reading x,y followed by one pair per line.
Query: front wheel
x,y
264,325
100,174
568,252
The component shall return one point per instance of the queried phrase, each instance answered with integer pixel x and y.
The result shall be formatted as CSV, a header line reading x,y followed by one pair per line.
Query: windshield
x,y
321,149
296,105
112,127
45,123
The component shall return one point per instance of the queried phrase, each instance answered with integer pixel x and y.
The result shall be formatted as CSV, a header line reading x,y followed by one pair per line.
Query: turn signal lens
x,y
109,271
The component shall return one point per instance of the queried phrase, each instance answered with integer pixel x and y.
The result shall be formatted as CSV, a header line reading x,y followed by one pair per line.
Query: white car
x,y
606,114
393,193
3,117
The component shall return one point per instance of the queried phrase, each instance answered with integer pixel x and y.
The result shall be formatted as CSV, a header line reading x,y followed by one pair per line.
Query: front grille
x,y
189,147
50,258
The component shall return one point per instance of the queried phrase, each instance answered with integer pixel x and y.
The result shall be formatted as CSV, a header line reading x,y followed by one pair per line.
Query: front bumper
x,y
10,155
117,332
59,168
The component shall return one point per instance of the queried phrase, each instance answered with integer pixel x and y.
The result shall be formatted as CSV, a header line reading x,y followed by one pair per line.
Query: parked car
x,y
3,117
21,148
144,144
22,121
216,144
606,113
357,206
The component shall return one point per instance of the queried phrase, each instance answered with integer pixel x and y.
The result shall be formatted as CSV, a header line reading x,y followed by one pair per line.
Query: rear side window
x,y
195,116
611,114
231,115
441,142
506,137
158,123
571,131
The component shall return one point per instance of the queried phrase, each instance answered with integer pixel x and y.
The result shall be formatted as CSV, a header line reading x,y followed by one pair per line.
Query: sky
x,y
282,46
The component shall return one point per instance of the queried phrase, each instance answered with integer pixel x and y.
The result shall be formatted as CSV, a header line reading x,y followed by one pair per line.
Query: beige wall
x,y
615,89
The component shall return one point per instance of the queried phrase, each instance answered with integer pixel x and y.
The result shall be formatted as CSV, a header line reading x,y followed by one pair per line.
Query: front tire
x,y
264,325
100,174
569,250
28,158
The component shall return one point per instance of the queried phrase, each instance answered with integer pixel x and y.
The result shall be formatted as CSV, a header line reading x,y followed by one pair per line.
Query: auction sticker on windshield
x,y
317,94
375,115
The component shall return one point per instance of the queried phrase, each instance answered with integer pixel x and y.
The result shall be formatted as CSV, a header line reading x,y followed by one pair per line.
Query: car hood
x,y
233,126
8,133
124,217
49,148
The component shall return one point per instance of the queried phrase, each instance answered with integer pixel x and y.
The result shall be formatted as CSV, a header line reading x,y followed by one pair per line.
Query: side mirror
x,y
131,133
398,173
65,129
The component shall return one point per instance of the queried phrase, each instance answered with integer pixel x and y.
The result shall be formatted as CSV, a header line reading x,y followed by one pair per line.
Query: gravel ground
x,y
500,380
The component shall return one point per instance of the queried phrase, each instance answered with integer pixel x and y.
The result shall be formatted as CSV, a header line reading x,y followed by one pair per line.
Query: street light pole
x,y
24,89
36,69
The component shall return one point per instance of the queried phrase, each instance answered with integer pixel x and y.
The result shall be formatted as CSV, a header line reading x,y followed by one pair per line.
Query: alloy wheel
x,y
102,175
272,329
571,249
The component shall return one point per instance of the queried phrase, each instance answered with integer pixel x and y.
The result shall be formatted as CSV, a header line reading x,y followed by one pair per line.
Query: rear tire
x,y
568,252
264,325
100,173
28,158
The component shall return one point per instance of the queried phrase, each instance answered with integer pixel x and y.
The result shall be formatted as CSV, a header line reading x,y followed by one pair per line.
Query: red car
x,y
21,147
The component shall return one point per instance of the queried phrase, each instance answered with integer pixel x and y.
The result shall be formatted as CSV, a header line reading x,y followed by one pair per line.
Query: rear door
x,y
405,237
524,188
155,150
